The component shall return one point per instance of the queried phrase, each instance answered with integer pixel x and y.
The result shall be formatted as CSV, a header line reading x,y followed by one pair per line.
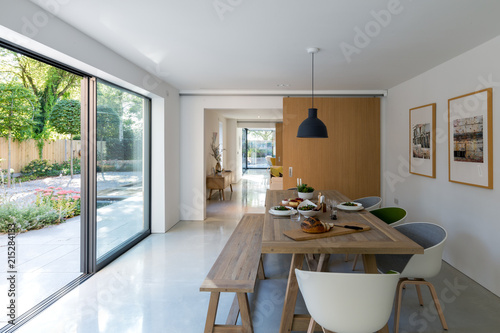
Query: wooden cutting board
x,y
299,235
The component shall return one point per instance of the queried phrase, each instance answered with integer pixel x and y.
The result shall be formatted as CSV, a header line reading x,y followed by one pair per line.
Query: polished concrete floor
x,y
154,287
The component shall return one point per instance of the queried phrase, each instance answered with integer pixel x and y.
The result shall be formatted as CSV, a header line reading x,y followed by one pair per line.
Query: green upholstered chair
x,y
390,215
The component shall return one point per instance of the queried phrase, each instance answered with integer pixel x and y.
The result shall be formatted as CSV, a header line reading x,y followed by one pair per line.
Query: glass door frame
x,y
89,262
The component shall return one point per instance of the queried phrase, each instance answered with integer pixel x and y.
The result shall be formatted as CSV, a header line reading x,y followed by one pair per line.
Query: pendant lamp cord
x,y
312,99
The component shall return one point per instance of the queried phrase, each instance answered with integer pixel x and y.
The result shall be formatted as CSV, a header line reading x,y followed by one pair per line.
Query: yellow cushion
x,y
273,160
277,171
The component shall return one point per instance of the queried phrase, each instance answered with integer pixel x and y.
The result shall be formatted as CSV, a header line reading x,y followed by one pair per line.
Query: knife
x,y
349,227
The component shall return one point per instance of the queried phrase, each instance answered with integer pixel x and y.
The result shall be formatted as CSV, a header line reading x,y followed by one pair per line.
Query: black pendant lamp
x,y
312,127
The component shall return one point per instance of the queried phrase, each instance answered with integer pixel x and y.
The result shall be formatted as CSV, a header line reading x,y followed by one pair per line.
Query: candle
x,y
297,182
300,179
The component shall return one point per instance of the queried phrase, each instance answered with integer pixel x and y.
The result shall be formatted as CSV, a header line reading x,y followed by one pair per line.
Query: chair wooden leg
x,y
212,311
419,294
246,319
356,257
312,324
397,307
437,304
346,259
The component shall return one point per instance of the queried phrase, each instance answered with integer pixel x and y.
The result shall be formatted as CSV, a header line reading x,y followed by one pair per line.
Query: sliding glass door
x,y
122,169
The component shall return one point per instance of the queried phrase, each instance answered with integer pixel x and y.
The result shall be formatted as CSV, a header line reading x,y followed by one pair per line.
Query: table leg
x,y
231,186
292,290
223,198
210,195
370,264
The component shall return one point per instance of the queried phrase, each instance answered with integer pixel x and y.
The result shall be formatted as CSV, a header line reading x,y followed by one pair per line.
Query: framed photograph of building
x,y
423,140
470,139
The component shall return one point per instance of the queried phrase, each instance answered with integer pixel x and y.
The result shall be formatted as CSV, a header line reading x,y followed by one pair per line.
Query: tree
x,y
65,119
48,84
266,135
17,113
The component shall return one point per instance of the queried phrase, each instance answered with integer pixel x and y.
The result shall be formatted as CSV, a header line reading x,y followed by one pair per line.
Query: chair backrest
x,y
348,302
431,237
268,160
390,215
370,203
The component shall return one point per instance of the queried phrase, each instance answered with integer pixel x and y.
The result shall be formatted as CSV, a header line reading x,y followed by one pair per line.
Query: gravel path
x,y
25,192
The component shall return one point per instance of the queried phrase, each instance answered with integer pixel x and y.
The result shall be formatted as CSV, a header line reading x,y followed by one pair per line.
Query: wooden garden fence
x,y
22,153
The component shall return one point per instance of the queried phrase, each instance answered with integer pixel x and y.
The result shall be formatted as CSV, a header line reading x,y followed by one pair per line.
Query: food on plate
x,y
284,202
299,199
313,225
280,208
349,204
307,207
293,203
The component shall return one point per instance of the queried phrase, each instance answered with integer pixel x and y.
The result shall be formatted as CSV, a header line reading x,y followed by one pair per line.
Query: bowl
x,y
355,206
305,195
308,213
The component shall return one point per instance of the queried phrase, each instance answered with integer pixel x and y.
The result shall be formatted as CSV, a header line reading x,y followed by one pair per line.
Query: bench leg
x,y
212,311
234,312
246,319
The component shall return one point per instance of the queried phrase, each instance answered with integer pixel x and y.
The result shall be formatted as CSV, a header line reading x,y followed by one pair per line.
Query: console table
x,y
219,182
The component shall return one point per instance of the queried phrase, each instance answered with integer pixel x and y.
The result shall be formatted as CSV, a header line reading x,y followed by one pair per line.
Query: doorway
x,y
257,144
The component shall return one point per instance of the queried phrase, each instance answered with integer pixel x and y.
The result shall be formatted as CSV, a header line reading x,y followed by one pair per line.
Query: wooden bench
x,y
235,270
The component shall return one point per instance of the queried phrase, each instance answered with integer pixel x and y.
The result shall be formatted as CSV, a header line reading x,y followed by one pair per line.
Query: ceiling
x,y
261,45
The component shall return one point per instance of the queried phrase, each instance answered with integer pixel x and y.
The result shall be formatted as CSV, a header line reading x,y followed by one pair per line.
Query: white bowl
x,y
307,212
289,211
305,195
344,207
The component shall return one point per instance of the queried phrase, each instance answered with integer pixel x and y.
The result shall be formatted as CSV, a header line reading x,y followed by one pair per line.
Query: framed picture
x,y
423,140
470,139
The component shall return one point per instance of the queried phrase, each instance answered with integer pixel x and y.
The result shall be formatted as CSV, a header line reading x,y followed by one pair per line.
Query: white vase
x,y
305,195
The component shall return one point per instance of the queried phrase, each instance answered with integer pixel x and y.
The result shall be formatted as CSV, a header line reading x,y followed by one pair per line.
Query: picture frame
x,y
470,139
423,140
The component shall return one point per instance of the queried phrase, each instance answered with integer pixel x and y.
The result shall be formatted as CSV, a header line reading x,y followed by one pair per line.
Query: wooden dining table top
x,y
381,238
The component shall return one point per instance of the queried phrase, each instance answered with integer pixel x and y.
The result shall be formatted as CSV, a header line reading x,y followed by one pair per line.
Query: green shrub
x,y
40,168
27,217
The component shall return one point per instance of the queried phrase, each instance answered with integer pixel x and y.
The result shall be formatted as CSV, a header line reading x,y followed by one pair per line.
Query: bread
x,y
313,225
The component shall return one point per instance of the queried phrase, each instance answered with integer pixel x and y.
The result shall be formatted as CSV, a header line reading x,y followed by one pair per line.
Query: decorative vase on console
x,y
217,154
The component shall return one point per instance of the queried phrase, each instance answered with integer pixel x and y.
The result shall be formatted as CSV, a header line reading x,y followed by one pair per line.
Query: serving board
x,y
299,235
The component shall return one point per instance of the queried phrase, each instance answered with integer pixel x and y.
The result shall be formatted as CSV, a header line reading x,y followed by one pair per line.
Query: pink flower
x,y
54,198
58,188
46,194
62,193
38,190
75,197
51,187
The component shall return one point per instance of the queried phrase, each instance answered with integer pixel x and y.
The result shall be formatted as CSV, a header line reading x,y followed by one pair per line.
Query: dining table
x,y
381,238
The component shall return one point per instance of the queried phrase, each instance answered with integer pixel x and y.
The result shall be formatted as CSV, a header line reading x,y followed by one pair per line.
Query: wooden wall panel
x,y
279,143
349,159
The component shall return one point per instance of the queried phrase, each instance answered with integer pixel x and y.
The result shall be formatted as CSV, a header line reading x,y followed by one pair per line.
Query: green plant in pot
x,y
305,192
216,152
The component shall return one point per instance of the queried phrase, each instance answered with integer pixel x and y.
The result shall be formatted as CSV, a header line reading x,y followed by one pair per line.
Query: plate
x,y
343,207
307,212
290,211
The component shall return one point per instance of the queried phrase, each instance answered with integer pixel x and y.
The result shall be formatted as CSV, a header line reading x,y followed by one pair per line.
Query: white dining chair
x,y
348,302
418,267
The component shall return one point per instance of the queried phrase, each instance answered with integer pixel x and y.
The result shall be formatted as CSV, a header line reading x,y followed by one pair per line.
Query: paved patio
x,y
49,258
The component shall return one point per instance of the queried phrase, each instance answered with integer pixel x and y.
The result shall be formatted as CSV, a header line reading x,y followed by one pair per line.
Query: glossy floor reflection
x,y
154,287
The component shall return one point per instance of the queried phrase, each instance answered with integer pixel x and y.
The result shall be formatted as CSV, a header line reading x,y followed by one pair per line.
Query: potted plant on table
x,y
304,191
217,154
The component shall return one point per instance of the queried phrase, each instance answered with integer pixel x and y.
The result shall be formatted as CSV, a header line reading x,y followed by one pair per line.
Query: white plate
x,y
290,211
307,212
357,207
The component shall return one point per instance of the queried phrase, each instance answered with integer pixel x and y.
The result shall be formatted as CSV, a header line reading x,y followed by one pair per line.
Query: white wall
x,y
232,150
468,213
27,25
193,201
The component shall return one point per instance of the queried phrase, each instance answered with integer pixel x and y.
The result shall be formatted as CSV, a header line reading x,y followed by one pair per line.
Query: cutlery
x,y
349,227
